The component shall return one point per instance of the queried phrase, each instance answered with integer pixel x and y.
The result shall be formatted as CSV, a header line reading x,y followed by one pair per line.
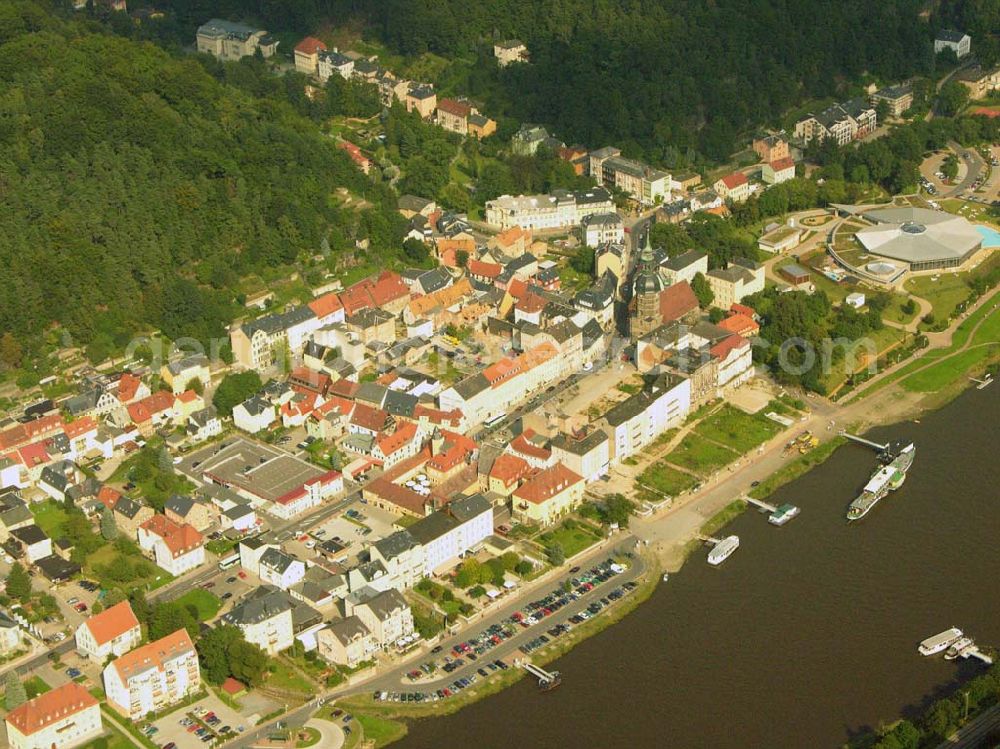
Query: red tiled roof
x,y
739,324
436,415
146,408
153,654
34,454
179,538
512,235
390,443
677,301
781,164
325,305
112,622
483,270
188,396
81,426
49,708
509,468
294,494
374,292
231,686
128,386
743,309
547,483
525,445
727,345
310,46
108,496
344,388
531,303
457,108
369,417
734,180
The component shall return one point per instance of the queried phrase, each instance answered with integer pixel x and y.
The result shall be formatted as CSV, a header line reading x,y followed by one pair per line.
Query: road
x,y
394,679
974,165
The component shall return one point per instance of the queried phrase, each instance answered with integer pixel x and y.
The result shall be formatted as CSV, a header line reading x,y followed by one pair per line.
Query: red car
x,y
81,607
242,575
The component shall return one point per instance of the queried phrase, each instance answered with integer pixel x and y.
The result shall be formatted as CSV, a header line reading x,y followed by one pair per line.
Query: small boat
x,y
940,641
782,514
723,550
666,576
957,648
547,685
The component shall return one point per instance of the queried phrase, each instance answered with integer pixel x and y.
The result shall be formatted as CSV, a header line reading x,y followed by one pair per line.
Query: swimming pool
x,y
991,237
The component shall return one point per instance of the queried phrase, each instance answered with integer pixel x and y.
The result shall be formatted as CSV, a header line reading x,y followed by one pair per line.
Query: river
x,y
807,635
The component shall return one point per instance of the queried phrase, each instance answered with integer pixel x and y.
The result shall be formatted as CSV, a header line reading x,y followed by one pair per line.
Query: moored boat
x,y
940,641
723,550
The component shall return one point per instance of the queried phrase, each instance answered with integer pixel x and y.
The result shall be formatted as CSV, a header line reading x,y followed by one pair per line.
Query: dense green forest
x,y
657,78
138,187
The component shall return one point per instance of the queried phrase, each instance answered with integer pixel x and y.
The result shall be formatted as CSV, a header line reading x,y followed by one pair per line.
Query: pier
x,y
973,652
759,503
546,679
980,384
863,441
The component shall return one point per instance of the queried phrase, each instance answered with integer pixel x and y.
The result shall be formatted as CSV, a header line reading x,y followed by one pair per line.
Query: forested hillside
x,y
136,188
655,77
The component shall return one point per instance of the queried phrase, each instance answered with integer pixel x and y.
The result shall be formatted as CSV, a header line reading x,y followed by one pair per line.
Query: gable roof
x,y
677,301
734,180
325,305
153,655
112,622
547,483
310,46
51,707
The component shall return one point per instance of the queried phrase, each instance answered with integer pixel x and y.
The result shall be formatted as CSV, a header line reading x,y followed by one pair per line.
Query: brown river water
x,y
807,635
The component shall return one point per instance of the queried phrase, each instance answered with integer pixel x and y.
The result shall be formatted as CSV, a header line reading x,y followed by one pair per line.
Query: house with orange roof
x,y
175,547
734,187
740,324
64,717
385,291
295,412
532,448
485,272
131,388
433,305
307,55
186,404
328,421
778,171
506,474
354,152
108,496
548,495
735,361
153,677
328,308
152,412
115,631
399,445
513,242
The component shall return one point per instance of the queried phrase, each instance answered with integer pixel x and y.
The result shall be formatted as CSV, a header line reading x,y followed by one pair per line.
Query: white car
x,y
310,544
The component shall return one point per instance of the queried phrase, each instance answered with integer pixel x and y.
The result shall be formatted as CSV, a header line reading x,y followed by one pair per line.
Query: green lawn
x,y
665,479
380,730
207,603
572,540
984,345
35,686
737,429
881,339
283,676
700,456
115,741
949,289
50,517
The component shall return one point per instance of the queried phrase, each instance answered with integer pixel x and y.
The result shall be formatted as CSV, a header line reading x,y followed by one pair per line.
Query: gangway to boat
x,y
759,503
863,441
974,652
545,678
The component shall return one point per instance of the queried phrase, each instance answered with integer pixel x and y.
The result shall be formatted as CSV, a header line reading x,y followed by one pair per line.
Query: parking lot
x,y
197,724
230,587
359,524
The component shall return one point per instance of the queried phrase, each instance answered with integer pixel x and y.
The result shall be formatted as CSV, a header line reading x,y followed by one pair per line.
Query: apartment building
x,y
602,228
346,642
265,618
510,51
730,285
776,172
420,98
259,343
845,122
115,631
228,40
642,417
586,453
734,187
176,547
980,81
899,98
560,210
307,55
180,373
957,41
386,615
449,533
641,182
153,676
548,495
771,147
64,717
331,62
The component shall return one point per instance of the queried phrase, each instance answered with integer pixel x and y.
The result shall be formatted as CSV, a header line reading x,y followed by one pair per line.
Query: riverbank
x,y
361,705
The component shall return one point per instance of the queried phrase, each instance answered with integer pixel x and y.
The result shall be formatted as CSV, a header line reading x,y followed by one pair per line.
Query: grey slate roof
x,y
395,544
264,603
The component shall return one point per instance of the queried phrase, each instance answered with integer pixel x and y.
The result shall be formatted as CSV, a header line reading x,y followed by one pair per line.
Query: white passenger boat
x,y
723,550
940,641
